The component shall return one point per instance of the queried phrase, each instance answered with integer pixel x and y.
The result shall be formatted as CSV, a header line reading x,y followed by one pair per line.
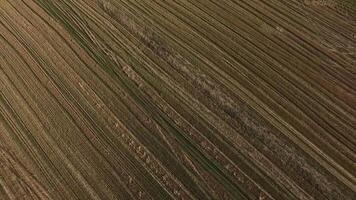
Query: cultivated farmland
x,y
178,99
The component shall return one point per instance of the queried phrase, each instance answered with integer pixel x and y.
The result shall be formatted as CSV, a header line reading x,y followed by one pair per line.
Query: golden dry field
x,y
178,99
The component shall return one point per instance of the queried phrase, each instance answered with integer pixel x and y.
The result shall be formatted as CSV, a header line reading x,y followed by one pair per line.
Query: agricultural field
x,y
178,99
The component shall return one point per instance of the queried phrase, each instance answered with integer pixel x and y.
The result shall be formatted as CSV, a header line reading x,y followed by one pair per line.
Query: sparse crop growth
x,y
177,99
